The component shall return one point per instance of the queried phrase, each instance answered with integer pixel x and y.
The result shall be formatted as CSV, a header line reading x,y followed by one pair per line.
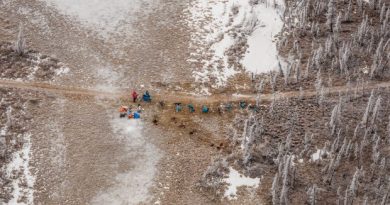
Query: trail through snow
x,y
113,21
132,187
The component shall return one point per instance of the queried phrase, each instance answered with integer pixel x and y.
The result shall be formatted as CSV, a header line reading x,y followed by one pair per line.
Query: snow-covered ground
x,y
132,187
219,26
235,180
318,155
105,17
18,168
19,171
262,54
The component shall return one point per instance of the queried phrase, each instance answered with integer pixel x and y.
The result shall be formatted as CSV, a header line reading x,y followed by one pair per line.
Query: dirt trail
x,y
57,89
165,96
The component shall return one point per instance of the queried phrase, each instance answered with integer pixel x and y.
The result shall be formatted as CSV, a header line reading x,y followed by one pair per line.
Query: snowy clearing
x,y
106,17
262,54
226,30
235,180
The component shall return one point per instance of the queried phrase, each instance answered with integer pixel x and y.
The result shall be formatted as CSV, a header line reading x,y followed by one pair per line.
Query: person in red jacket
x,y
135,96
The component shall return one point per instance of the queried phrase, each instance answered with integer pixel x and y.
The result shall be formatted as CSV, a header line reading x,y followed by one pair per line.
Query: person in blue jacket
x,y
137,115
191,108
205,109
146,97
178,107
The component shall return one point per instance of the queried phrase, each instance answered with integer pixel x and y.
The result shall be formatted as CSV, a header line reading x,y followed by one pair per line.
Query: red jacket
x,y
134,94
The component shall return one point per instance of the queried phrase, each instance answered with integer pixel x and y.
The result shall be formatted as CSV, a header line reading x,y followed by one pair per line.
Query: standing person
x,y
205,109
139,108
146,97
178,107
135,96
191,108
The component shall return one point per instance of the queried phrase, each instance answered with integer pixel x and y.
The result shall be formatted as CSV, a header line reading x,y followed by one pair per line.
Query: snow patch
x,y
2,131
294,158
19,170
132,187
221,25
318,155
62,70
109,78
235,180
262,53
105,17
38,59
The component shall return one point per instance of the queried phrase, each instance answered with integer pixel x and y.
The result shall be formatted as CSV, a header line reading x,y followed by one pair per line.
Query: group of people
x,y
146,97
129,112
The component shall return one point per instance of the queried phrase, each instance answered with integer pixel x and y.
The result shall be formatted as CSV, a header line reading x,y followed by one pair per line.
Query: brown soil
x,y
28,66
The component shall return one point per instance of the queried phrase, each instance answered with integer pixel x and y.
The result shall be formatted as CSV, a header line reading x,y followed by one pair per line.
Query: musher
x,y
135,96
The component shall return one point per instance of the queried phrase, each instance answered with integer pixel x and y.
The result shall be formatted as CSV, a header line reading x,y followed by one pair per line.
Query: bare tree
x,y
347,16
354,185
388,131
307,68
284,193
362,32
379,60
376,110
368,108
212,177
385,24
252,24
386,195
313,195
20,44
337,27
383,13
330,15
274,190
301,93
335,118
360,5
